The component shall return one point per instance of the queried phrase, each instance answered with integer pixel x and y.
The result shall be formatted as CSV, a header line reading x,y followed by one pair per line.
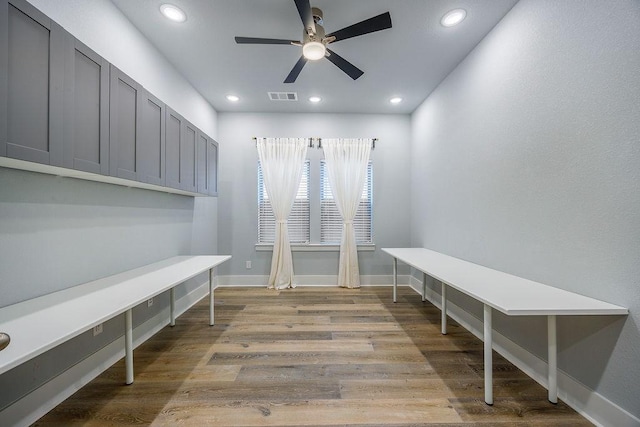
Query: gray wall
x,y
238,186
526,159
59,232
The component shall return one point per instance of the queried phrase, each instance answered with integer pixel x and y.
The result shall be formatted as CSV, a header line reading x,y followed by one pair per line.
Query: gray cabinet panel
x,y
202,166
32,50
86,117
124,121
188,158
151,146
174,129
212,159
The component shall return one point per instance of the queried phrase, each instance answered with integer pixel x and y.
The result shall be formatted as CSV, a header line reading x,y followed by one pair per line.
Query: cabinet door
x,y
150,152
202,169
212,159
86,109
174,133
188,158
124,120
31,77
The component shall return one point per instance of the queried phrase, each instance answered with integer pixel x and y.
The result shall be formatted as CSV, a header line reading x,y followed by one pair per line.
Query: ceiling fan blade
x,y
371,25
295,71
255,40
346,66
304,9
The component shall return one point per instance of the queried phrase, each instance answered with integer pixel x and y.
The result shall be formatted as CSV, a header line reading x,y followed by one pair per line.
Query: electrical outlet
x,y
149,302
248,265
97,330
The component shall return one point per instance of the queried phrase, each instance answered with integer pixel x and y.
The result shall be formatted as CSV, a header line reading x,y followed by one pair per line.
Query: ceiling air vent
x,y
283,96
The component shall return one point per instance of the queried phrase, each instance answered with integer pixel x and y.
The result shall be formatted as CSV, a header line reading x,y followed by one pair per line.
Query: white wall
x,y
58,232
526,159
238,186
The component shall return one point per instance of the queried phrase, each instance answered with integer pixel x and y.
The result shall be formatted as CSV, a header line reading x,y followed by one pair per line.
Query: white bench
x,y
34,326
511,295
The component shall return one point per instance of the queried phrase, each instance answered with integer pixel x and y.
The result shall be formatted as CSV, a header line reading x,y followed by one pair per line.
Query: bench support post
x,y
395,279
128,346
488,357
172,301
553,358
443,320
211,318
424,287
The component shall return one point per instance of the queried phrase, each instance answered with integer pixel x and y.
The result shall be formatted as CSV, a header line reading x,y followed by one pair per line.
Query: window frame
x,y
330,219
299,227
314,157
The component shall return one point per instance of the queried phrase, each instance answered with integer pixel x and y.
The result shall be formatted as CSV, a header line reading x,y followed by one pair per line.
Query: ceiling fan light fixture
x,y
453,17
314,50
173,13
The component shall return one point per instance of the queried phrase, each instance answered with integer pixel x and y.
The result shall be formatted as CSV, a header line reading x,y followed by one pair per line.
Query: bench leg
x,y
172,301
395,279
211,317
424,287
443,320
488,357
128,346
553,358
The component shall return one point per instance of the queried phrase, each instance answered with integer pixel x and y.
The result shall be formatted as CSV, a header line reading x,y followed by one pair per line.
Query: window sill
x,y
314,247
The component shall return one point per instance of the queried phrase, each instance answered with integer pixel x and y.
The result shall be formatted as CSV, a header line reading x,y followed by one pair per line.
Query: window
x,y
330,219
298,219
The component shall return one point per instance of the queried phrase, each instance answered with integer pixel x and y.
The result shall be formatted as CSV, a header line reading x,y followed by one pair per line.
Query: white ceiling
x,y
408,60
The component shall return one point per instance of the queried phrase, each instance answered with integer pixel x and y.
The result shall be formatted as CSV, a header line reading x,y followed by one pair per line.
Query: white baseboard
x,y
311,280
588,403
36,404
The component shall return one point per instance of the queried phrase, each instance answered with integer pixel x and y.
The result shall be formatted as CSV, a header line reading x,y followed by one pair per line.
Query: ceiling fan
x,y
314,40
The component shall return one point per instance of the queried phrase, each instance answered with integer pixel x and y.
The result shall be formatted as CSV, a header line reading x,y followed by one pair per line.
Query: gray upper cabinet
x,y
189,158
62,104
212,159
150,153
202,169
31,82
174,132
207,165
125,118
86,109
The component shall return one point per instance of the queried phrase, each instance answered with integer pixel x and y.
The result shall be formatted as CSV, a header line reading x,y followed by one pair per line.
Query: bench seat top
x,y
41,323
505,292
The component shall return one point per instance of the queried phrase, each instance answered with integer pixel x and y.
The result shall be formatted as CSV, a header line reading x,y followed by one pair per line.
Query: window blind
x,y
298,224
330,219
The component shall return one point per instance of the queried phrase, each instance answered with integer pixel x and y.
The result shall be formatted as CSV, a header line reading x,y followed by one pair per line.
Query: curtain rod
x,y
311,144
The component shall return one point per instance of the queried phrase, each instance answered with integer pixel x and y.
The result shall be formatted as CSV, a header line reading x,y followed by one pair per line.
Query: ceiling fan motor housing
x,y
317,15
320,33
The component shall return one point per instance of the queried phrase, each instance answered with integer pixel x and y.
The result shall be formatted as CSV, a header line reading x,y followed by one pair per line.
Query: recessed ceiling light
x,y
233,98
315,99
395,100
173,13
453,17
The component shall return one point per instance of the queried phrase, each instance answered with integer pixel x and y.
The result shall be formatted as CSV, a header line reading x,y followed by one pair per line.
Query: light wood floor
x,y
311,356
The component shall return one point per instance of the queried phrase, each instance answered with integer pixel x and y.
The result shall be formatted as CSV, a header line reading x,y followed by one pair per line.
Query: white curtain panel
x,y
282,161
346,161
